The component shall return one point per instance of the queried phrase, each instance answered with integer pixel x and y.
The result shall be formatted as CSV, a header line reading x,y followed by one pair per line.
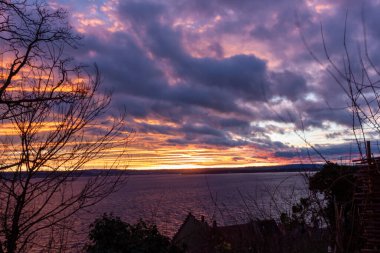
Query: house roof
x,y
197,236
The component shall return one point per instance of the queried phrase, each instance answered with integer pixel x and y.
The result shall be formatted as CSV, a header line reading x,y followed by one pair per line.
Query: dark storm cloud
x,y
127,70
206,82
203,96
228,123
148,128
288,84
243,75
348,150
141,12
134,106
125,66
212,98
202,130
209,141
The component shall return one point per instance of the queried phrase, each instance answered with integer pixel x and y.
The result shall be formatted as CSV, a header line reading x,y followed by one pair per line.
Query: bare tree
x,y
358,75
33,38
50,112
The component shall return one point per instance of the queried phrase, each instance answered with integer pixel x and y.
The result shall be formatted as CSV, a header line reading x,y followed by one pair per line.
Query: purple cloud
x,y
217,69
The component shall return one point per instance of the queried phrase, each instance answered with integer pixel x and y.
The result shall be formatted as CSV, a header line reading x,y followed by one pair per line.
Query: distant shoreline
x,y
252,169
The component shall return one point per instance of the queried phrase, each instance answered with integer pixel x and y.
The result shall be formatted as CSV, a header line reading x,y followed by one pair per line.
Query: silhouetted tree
x,y
356,72
50,112
330,205
109,234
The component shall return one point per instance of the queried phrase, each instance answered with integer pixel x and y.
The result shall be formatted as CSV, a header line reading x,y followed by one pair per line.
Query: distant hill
x,y
252,169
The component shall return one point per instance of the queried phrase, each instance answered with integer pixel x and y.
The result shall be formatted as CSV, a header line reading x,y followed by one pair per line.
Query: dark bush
x,y
330,206
109,234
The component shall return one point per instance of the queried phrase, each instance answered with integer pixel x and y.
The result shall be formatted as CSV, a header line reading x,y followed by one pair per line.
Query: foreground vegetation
x,y
109,234
331,206
326,217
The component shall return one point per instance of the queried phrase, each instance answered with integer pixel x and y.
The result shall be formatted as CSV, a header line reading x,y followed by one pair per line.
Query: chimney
x,y
368,149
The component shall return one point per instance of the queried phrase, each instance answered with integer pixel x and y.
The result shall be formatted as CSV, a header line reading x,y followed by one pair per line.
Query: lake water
x,y
227,198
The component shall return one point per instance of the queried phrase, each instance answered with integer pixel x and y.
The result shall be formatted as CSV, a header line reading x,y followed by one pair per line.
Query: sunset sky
x,y
224,83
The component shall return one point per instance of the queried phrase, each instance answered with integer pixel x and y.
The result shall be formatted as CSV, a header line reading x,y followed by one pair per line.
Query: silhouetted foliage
x,y
110,234
337,184
356,72
331,205
51,107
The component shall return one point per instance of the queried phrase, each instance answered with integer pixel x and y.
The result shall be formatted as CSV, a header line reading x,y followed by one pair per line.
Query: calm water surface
x,y
227,198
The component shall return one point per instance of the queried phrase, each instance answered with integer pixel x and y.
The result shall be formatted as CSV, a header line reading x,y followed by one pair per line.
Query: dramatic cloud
x,y
227,78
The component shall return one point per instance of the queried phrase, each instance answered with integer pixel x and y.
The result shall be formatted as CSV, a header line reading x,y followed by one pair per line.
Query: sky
x,y
226,83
